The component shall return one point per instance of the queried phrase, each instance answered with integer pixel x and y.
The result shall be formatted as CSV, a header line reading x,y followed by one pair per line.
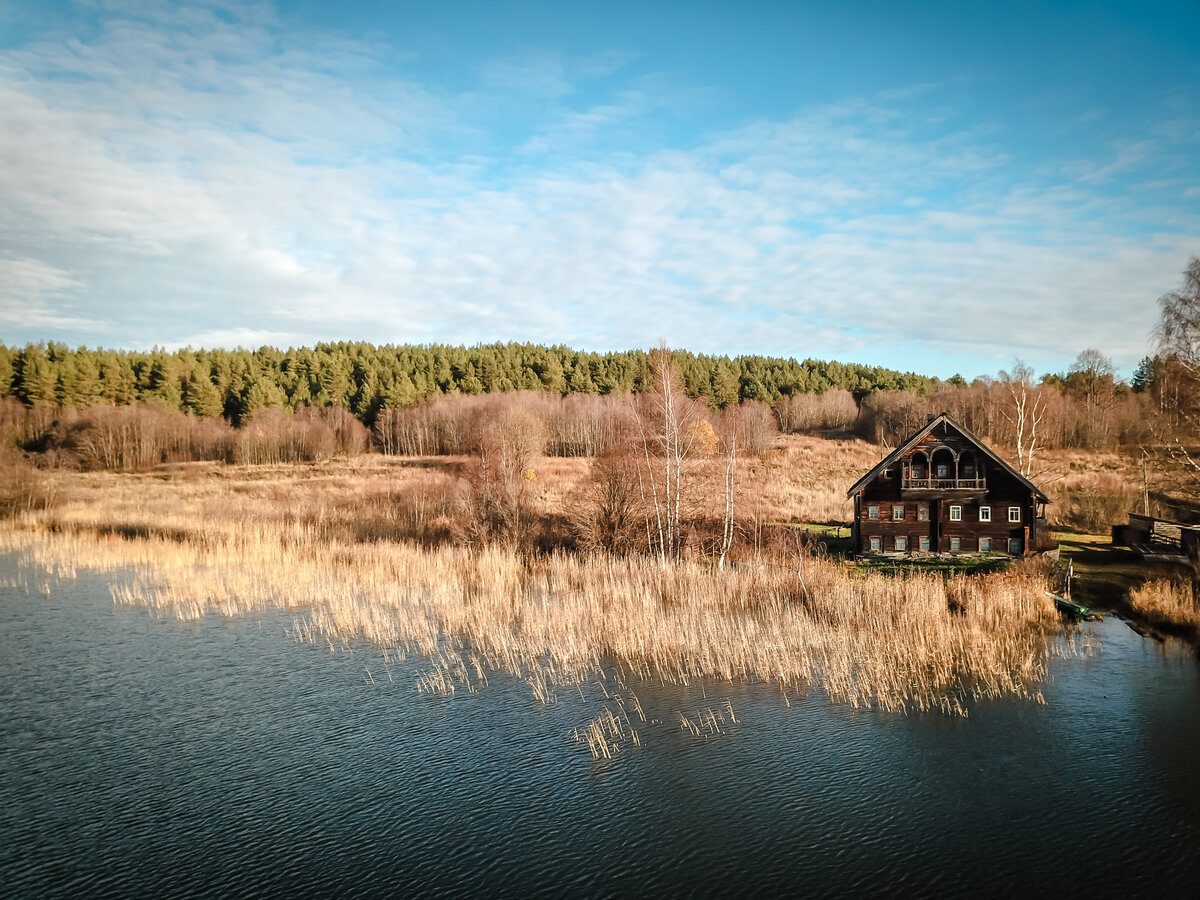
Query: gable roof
x,y
895,455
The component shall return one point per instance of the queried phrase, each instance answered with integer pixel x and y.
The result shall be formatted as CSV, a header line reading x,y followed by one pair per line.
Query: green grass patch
x,y
836,538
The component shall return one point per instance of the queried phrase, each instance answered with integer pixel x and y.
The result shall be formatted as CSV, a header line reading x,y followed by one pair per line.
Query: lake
x,y
149,756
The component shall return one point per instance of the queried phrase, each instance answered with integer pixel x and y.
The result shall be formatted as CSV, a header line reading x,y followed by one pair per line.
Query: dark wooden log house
x,y
943,491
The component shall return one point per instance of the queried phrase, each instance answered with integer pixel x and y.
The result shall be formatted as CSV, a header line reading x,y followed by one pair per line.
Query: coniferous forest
x,y
126,410
366,379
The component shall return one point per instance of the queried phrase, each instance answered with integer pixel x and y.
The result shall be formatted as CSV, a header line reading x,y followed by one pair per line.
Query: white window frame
x,y
898,512
923,512
985,545
923,543
985,514
873,511
901,544
876,543
1014,514
955,513
955,544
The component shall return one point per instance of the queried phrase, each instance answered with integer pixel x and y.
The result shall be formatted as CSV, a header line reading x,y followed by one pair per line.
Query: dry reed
x,y
1165,602
234,544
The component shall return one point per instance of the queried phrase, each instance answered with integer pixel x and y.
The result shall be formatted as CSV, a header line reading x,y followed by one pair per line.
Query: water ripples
x,y
151,756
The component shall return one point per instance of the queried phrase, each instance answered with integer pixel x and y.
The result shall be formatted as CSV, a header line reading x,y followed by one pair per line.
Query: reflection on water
x,y
146,755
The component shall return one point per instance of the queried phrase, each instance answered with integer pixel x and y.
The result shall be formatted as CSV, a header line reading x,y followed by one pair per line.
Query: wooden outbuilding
x,y
943,491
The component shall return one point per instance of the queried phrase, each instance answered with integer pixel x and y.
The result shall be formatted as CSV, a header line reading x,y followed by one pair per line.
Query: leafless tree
x,y
609,515
1024,411
498,486
803,412
1091,379
1178,339
668,427
727,521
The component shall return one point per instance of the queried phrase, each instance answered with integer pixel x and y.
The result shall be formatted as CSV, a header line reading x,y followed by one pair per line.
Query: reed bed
x,y
909,642
1170,603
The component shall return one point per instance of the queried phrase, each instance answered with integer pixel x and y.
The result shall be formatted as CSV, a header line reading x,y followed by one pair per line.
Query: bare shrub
x,y
750,425
350,436
496,499
608,514
799,413
23,488
117,438
272,436
1097,503
133,438
590,425
435,426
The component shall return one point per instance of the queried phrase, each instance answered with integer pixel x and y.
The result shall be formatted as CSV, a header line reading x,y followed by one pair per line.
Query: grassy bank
x,y
1169,605
1157,598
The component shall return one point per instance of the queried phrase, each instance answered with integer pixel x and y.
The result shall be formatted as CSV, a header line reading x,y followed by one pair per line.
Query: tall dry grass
x,y
1170,603
238,542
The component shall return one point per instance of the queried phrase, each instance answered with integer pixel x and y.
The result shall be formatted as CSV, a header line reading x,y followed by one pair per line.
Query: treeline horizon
x,y
366,378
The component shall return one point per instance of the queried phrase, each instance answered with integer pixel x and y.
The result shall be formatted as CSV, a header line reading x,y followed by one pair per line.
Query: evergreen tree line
x,y
130,411
367,379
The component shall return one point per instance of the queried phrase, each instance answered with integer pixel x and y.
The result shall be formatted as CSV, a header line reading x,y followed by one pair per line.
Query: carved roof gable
x,y
949,426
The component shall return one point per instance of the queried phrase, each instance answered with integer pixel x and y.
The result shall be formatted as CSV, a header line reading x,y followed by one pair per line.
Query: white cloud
x,y
34,295
196,181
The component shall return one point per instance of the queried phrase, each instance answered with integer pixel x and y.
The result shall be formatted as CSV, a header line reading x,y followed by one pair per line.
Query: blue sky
x,y
940,188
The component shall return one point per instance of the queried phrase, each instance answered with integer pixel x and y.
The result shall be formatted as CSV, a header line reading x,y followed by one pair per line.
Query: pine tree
x,y
201,397
551,375
33,378
724,385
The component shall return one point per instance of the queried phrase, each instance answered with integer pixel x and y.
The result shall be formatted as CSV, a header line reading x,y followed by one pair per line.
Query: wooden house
x,y
943,491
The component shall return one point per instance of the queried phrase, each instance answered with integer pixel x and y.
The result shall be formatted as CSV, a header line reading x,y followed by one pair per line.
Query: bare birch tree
x,y
727,522
1024,411
667,421
1178,339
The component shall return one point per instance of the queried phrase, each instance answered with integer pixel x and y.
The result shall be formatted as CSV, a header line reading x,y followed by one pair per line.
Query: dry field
x,y
320,542
1090,491
804,479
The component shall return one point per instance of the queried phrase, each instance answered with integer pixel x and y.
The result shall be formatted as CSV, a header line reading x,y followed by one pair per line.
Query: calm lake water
x,y
146,756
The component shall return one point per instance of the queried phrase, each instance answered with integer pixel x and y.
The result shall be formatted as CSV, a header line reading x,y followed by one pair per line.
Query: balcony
x,y
909,483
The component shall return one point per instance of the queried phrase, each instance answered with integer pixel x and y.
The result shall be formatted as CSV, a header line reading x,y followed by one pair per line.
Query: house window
x,y
985,514
901,544
1014,546
923,513
1014,514
943,470
888,472
924,543
872,512
955,513
897,512
955,544
985,545
875,544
